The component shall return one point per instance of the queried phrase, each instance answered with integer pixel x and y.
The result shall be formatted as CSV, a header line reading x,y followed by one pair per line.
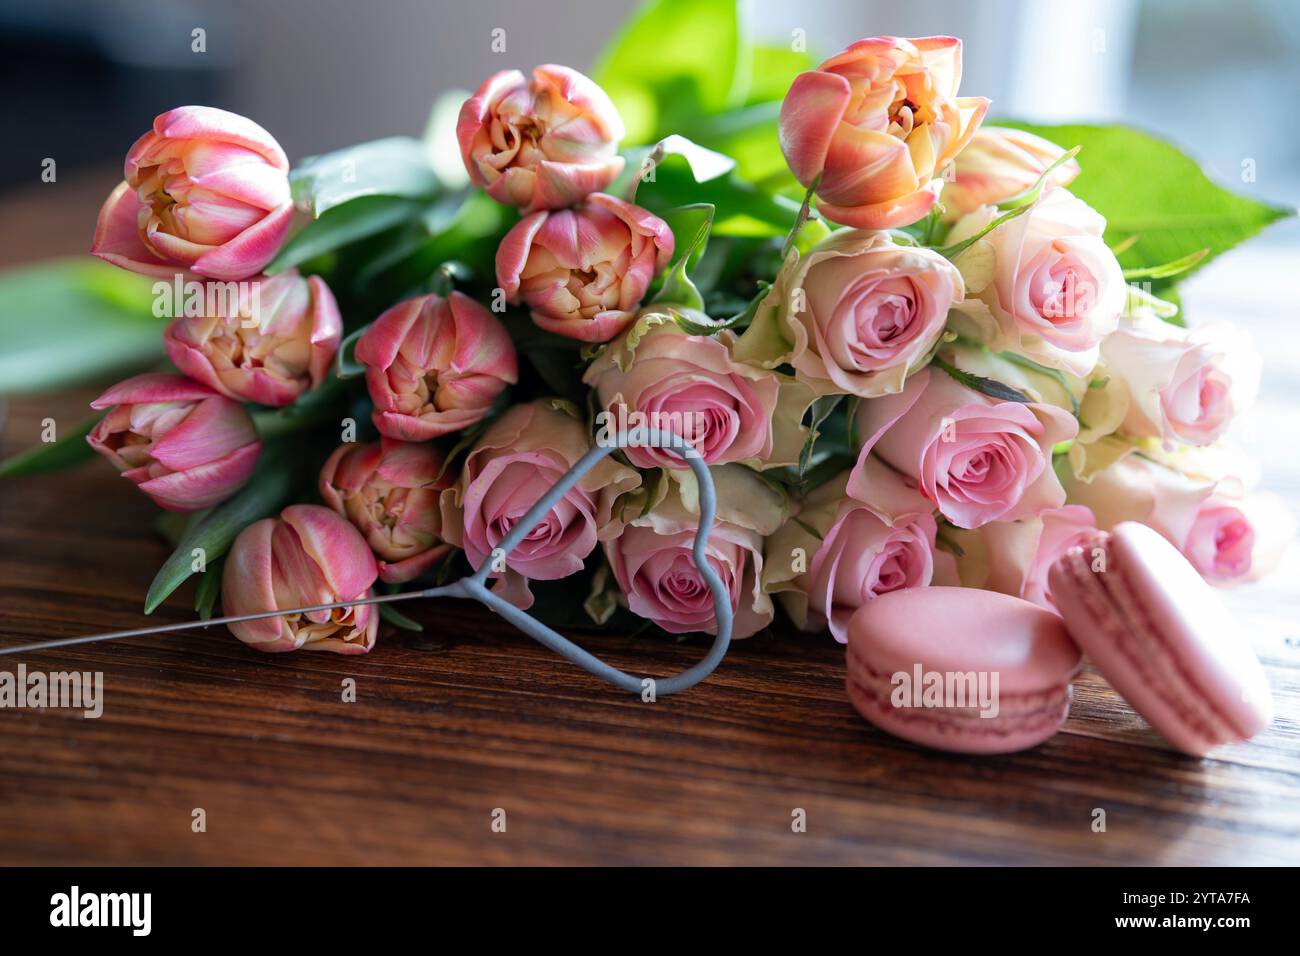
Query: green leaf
x,y
690,225
345,362
74,320
821,410
1149,189
985,386
397,618
208,590
270,489
341,225
68,450
1169,269
673,61
741,209
466,229
397,166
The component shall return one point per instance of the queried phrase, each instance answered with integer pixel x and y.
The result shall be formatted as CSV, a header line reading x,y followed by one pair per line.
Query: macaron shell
x,y
967,631
1163,639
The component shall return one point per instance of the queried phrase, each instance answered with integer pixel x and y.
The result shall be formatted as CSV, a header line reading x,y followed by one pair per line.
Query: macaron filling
x,y
1041,712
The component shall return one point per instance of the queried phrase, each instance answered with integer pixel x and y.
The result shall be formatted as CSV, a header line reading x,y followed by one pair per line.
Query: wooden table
x,y
469,718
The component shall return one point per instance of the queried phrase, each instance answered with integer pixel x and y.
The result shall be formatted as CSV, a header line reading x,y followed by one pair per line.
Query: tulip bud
x,y
307,556
878,123
583,271
275,339
1000,163
390,491
435,365
184,445
542,145
205,190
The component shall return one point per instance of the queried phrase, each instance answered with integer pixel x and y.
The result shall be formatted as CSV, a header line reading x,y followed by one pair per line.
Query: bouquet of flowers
x,y
913,346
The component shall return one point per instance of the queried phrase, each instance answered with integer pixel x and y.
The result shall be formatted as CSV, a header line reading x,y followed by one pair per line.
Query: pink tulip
x,y
435,365
583,271
269,350
878,123
205,191
307,556
389,490
184,445
1001,163
541,145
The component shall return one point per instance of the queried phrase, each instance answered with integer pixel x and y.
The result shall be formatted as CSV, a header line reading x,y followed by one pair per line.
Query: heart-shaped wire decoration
x,y
474,586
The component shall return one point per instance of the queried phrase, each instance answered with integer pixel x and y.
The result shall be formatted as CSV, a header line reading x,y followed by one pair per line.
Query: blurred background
x,y
83,78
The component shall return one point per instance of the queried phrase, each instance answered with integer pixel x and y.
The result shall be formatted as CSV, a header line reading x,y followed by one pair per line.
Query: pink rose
x,y
541,145
205,190
515,462
435,365
389,490
1054,290
307,556
976,458
269,344
654,566
1014,556
856,314
691,386
583,271
860,550
1182,385
1234,540
878,123
1135,488
998,164
181,443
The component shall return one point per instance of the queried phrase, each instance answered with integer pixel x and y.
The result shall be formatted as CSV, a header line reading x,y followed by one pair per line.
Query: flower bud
x,y
583,271
307,556
540,145
435,365
206,191
389,490
274,339
183,444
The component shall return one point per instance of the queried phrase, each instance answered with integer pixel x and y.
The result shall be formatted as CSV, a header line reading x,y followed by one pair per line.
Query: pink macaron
x,y
1162,638
960,669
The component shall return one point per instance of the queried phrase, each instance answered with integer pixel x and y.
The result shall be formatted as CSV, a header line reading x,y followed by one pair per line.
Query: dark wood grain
x,y
470,716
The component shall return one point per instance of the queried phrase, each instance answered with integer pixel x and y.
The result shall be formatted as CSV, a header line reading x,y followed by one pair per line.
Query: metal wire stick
x,y
475,586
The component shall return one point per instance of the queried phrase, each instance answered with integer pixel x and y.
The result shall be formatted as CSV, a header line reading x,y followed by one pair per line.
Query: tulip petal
x,y
205,485
117,236
810,115
210,123
342,555
250,251
153,387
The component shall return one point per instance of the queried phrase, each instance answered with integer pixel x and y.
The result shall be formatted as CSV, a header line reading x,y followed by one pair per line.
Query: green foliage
x,y
397,166
74,320
1149,189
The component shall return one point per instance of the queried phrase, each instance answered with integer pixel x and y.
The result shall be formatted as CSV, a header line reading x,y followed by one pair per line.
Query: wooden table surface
x,y
470,718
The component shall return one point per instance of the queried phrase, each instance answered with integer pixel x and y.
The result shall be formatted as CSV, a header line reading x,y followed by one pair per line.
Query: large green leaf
x,y
69,449
341,225
272,486
1148,188
397,166
673,61
683,177
74,320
